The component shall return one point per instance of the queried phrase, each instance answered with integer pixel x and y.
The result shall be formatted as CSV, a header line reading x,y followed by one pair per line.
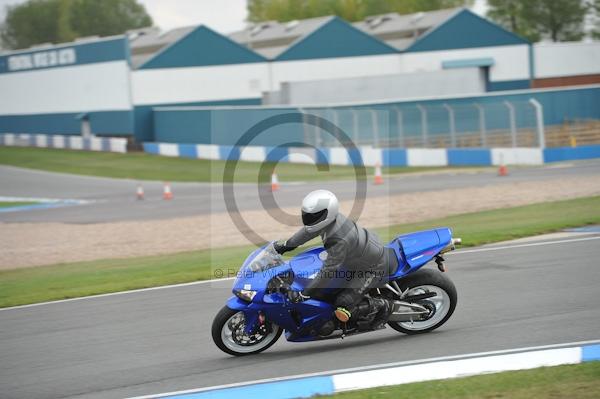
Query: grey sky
x,y
221,15
224,16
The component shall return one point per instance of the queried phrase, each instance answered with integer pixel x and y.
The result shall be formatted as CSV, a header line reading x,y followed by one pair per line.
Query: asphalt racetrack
x,y
156,341
114,199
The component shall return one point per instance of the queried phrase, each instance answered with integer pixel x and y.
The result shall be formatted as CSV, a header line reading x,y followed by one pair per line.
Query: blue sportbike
x,y
263,306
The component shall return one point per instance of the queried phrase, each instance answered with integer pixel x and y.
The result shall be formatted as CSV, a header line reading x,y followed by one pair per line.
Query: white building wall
x,y
510,62
566,59
241,81
385,87
197,84
78,88
333,68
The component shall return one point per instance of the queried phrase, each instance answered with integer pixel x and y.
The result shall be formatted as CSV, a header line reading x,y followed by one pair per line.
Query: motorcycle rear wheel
x,y
443,304
228,335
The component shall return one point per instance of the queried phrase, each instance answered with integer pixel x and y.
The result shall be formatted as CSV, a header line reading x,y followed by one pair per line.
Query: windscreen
x,y
266,259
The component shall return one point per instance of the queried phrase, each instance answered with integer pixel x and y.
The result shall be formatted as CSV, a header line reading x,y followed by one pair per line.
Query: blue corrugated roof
x,y
202,47
336,38
465,30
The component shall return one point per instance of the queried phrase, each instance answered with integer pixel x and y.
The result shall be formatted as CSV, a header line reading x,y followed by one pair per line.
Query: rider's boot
x,y
384,309
372,313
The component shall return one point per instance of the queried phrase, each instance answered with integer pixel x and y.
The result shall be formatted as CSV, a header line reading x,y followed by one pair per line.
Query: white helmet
x,y
319,209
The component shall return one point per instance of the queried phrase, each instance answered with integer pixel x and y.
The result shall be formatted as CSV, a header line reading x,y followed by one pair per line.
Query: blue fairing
x,y
417,249
421,247
305,267
300,320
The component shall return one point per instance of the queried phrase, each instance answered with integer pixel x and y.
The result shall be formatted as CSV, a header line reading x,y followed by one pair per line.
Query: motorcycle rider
x,y
352,251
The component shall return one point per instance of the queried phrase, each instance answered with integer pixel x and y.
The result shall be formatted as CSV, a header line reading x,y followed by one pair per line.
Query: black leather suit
x,y
356,260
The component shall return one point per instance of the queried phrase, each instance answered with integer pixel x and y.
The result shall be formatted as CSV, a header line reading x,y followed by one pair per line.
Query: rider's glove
x,y
280,247
297,296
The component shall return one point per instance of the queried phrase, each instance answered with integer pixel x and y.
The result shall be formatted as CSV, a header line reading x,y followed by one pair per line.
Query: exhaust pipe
x,y
451,246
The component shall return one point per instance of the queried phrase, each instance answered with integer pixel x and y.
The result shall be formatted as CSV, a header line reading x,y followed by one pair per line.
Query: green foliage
x,y
31,23
59,21
350,10
107,17
558,20
512,14
595,7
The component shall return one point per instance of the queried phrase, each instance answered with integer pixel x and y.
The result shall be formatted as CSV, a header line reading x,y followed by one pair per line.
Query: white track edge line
x,y
534,244
31,305
231,278
374,367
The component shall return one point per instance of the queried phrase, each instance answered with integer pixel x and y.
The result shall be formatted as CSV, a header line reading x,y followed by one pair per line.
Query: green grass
x,y
505,224
578,381
10,204
72,280
38,284
143,166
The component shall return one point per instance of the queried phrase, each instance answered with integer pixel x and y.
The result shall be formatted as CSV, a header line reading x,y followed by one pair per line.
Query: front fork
x,y
253,317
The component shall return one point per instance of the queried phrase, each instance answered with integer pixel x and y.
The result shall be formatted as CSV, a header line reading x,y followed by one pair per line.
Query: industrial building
x,y
126,86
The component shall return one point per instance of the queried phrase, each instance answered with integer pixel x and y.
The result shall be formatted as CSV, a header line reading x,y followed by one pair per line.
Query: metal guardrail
x,y
480,125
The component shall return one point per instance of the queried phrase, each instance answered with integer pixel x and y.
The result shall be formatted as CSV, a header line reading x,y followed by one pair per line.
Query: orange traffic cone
x,y
378,176
167,194
140,192
274,182
502,170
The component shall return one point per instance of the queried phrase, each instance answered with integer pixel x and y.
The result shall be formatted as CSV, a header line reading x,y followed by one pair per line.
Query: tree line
x,y
58,21
55,21
350,10
556,20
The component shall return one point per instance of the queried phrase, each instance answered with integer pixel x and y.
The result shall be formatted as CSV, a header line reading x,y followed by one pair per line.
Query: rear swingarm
x,y
419,297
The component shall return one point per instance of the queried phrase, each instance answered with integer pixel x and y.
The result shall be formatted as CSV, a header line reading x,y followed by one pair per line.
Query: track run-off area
x,y
111,200
110,223
511,295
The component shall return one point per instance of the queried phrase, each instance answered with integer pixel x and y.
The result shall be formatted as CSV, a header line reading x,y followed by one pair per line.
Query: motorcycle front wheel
x,y
442,305
228,334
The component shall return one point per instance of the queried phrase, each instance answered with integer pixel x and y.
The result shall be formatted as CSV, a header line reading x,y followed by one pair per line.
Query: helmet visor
x,y
310,219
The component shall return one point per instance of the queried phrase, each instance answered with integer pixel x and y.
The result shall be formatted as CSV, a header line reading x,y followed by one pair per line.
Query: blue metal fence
x,y
414,123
